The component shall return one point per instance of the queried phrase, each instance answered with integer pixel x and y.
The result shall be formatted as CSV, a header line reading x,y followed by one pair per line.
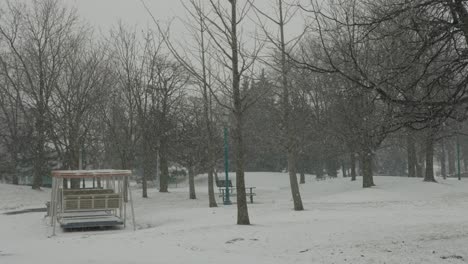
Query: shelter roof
x,y
75,174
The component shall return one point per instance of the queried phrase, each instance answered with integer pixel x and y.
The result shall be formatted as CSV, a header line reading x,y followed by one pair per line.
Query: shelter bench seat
x,y
91,199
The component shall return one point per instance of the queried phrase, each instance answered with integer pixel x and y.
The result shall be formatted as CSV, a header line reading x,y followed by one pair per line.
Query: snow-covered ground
x,y
401,220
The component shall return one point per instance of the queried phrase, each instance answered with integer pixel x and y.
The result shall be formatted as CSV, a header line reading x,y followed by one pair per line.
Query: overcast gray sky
x,y
103,14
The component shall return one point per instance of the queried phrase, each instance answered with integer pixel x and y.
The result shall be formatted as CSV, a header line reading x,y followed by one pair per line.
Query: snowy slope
x,y
14,197
400,221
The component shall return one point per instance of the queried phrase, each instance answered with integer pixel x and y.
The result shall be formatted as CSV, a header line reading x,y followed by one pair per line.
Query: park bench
x,y
324,177
221,184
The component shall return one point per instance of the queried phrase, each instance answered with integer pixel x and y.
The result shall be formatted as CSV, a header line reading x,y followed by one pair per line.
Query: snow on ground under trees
x,y
402,220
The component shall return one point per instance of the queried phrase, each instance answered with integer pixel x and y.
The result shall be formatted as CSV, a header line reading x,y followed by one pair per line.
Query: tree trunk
x,y
74,165
125,183
289,130
464,153
296,195
39,154
15,169
144,180
209,139
419,166
302,179
15,179
411,151
191,176
451,157
343,169
242,209
465,164
319,169
164,169
147,159
429,144
331,165
442,159
211,164
360,167
211,194
353,166
302,168
367,173
215,172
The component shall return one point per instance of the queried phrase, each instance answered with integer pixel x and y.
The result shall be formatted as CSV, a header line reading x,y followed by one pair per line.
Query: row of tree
x,y
372,85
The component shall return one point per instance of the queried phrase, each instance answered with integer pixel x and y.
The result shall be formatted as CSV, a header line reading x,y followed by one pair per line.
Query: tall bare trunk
x,y
367,171
293,182
144,179
15,178
207,117
465,161
14,157
74,164
164,169
319,168
242,209
429,144
352,158
39,154
451,157
411,152
343,169
289,128
419,165
126,183
442,159
302,169
211,194
191,176
216,178
148,161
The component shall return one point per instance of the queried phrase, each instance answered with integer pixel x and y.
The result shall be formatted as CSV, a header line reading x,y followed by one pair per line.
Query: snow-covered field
x,y
401,220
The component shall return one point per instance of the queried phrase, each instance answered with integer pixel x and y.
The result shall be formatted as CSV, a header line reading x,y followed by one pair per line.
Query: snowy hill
x,y
401,220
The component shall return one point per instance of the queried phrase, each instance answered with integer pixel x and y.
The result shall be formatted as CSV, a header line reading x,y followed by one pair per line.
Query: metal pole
x,y
458,156
54,206
52,201
227,201
131,204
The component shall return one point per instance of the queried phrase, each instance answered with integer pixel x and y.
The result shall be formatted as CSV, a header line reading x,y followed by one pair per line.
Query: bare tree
x,y
121,114
191,149
36,35
169,81
198,66
16,130
222,22
80,90
290,134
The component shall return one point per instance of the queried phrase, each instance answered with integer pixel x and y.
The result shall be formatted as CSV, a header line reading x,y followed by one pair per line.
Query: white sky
x,y
103,14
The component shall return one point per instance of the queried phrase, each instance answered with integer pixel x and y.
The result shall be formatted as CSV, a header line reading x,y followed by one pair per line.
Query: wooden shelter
x,y
98,206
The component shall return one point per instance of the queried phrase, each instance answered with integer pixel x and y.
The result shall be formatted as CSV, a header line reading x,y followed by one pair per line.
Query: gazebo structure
x,y
99,206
